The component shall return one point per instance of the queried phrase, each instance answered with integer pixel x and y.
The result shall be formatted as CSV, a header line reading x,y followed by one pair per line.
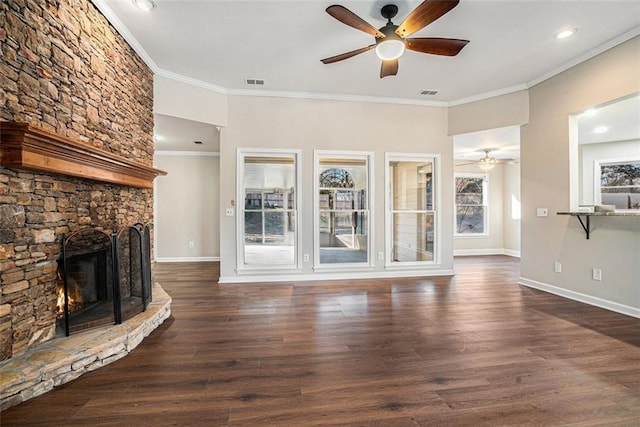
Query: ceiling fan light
x,y
486,163
390,49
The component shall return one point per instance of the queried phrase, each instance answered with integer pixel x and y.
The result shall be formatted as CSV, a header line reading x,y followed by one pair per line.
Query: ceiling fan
x,y
488,162
391,40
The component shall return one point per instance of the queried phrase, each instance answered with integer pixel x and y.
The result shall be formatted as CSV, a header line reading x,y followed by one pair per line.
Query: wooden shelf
x,y
25,146
586,224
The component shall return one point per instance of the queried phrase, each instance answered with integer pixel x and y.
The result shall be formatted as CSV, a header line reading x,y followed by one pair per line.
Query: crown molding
x,y
187,153
137,47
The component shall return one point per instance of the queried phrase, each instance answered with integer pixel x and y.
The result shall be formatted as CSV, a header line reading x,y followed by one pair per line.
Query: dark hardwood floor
x,y
475,349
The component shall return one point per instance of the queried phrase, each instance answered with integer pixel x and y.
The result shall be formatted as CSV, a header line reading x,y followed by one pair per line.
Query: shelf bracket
x,y
586,225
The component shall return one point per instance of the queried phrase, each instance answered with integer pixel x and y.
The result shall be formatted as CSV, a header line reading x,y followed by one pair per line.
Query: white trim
x,y
241,153
155,219
580,297
343,275
586,56
488,95
597,176
485,199
478,252
187,259
188,153
367,156
125,33
191,81
336,97
481,252
434,159
511,252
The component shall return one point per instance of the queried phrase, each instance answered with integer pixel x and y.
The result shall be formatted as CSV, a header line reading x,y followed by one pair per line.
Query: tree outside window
x,y
471,200
620,184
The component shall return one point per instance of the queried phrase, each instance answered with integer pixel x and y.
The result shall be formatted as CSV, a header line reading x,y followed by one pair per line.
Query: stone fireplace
x,y
76,153
86,99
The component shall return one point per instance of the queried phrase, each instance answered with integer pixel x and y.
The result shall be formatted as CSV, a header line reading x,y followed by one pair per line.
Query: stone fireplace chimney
x,y
63,70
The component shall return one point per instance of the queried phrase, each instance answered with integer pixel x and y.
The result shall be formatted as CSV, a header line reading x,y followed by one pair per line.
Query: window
x,y
471,204
619,184
269,213
343,208
411,209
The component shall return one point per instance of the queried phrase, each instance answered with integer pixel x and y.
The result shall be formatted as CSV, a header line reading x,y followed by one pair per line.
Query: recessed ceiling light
x,y
145,5
566,33
600,129
590,112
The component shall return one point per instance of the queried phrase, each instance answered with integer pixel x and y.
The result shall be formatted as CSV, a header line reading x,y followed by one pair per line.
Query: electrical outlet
x,y
557,267
192,245
542,212
229,212
596,274
381,256
305,257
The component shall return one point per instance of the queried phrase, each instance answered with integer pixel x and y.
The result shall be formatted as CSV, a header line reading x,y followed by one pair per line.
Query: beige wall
x,y
492,113
187,208
512,201
306,125
178,99
614,246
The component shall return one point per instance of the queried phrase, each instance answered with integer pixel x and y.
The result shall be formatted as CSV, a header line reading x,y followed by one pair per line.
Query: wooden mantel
x,y
26,146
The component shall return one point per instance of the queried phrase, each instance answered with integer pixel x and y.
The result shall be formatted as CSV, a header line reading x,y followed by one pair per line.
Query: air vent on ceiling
x,y
428,92
197,142
255,82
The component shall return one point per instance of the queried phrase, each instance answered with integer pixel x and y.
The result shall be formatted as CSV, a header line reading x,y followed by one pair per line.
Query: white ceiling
x,y
222,43
176,134
504,143
621,120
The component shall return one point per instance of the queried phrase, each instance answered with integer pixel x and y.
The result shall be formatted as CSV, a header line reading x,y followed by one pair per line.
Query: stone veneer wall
x,y
63,68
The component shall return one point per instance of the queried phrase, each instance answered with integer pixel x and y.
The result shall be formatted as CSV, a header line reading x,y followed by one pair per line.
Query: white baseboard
x,y
270,277
511,252
480,252
580,297
187,259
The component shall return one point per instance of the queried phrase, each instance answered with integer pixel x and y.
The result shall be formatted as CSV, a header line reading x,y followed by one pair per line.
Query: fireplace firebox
x,y
104,278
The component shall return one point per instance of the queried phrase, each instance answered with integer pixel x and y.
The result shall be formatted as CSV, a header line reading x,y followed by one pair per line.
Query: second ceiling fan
x,y
391,40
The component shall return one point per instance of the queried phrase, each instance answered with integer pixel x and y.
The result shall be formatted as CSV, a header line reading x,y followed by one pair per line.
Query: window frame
x,y
485,199
368,157
389,212
242,153
597,178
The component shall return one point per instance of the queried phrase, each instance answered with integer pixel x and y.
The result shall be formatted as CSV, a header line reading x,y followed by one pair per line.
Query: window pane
x,y
620,185
274,225
252,200
412,185
342,210
269,218
469,191
253,226
470,219
413,237
343,237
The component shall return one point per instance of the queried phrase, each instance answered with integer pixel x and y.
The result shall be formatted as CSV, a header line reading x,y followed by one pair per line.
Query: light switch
x,y
543,212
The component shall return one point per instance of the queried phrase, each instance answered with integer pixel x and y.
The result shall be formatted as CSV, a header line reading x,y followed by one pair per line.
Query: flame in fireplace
x,y
60,302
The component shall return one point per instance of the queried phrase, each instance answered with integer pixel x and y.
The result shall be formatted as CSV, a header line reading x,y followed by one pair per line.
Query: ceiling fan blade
x,y
389,68
347,55
349,18
427,12
436,46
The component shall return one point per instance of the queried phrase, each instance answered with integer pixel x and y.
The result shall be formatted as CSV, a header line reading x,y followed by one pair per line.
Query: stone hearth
x,y
64,359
